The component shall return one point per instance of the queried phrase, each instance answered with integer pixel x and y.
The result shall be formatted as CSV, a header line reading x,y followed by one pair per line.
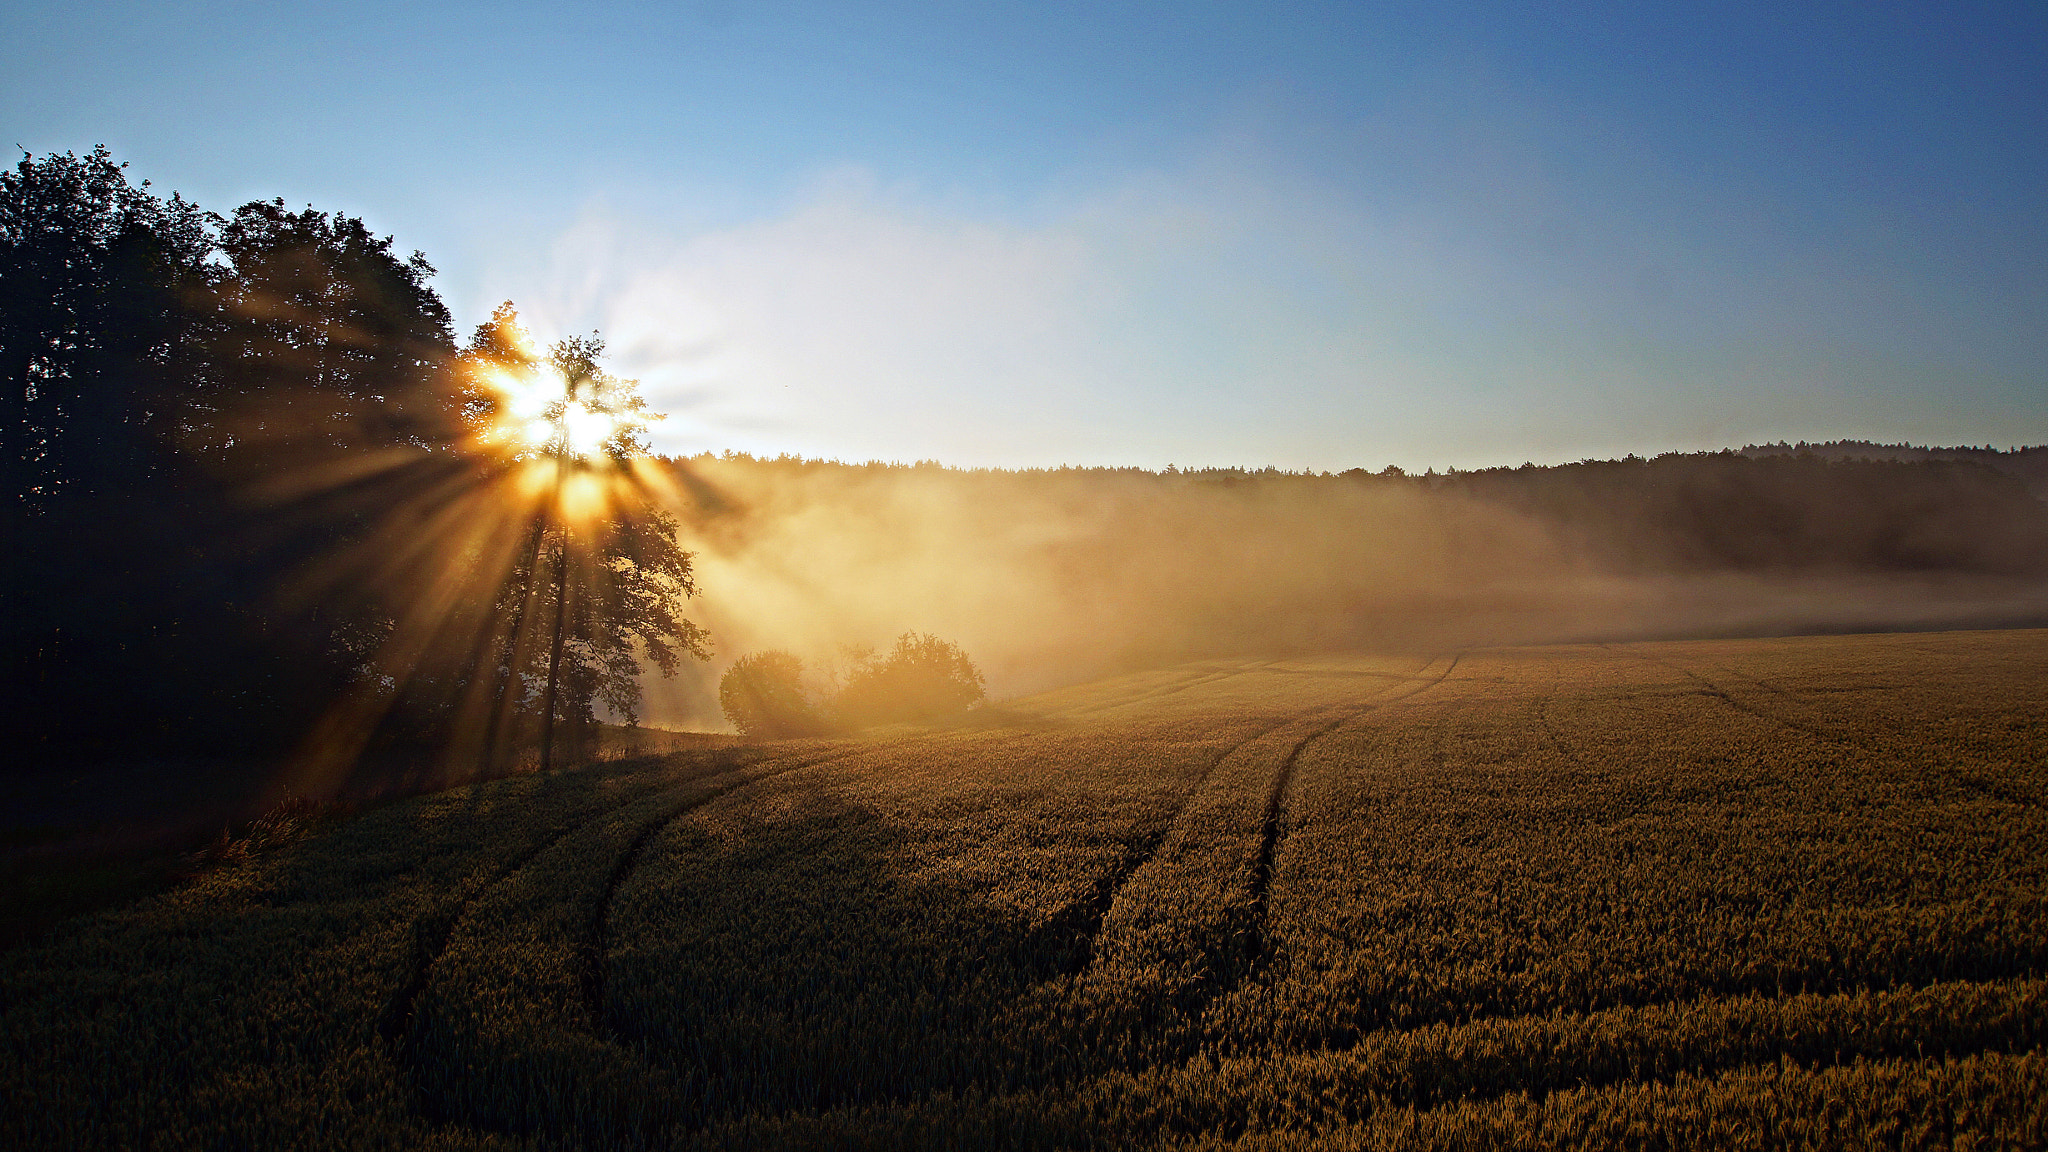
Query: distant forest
x,y
1845,506
204,414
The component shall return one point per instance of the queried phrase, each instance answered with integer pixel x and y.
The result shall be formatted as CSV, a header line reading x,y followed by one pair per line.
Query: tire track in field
x,y
1436,1076
1779,691
588,978
2007,791
1111,887
591,948
433,931
1551,734
1716,691
432,934
1102,898
1104,895
1274,827
1210,677
1996,789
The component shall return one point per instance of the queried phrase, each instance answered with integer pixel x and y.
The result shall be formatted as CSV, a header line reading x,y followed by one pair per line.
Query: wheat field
x,y
1743,893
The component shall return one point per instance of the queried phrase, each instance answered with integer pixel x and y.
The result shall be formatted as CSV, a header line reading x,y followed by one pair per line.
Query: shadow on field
x,y
94,835
793,949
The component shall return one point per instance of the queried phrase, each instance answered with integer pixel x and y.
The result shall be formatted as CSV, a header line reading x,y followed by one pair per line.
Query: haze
x,y
1306,236
1057,577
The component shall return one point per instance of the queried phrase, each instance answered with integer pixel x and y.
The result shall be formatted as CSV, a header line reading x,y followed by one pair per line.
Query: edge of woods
x,y
569,962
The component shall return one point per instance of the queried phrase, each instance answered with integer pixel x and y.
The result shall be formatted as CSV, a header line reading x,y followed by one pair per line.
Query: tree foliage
x,y
140,577
763,695
240,488
615,578
921,678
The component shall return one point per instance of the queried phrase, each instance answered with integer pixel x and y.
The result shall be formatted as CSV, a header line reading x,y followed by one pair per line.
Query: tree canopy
x,y
921,678
763,695
246,498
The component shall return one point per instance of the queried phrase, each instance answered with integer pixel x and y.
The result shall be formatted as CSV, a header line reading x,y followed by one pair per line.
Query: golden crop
x,y
1699,894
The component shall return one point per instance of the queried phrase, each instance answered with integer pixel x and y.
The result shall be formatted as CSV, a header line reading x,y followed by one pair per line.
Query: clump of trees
x,y
920,680
245,504
763,694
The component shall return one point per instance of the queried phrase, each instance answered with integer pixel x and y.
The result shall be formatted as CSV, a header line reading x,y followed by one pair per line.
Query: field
x,y
1730,893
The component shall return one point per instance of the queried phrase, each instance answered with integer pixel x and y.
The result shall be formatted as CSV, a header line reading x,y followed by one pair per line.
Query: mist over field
x,y
1059,576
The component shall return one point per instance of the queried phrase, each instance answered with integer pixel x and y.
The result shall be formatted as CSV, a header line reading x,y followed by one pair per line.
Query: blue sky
x,y
1313,236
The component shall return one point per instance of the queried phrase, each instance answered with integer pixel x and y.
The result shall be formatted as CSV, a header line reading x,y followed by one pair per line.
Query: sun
x,y
536,412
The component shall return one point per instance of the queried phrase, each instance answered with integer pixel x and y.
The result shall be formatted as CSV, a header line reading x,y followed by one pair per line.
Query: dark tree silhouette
x,y
197,411
97,281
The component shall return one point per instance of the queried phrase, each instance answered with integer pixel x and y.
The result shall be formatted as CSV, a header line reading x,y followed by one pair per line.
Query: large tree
x,y
98,281
254,497
96,275
602,579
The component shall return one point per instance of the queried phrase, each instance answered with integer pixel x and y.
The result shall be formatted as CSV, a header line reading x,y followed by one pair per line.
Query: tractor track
x,y
433,931
591,948
1711,689
1104,895
1273,828
1214,675
597,937
1111,887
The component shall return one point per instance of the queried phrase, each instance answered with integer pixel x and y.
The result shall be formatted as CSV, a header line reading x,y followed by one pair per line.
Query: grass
x,y
1719,894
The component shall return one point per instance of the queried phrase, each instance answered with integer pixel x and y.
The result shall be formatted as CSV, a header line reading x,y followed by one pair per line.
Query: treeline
x,y
158,360
241,501
1838,508
1732,511
2030,465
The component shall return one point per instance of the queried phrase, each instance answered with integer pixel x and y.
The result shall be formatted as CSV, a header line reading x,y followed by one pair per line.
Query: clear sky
x,y
1312,236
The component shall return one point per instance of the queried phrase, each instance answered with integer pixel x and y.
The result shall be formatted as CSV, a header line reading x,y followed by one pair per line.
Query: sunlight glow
x,y
584,497
537,411
589,431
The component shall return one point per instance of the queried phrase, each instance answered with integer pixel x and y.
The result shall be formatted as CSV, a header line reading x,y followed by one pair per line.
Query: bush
x,y
923,678
763,695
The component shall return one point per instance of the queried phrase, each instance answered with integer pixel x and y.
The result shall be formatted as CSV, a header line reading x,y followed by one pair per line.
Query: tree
x,y
205,425
324,341
327,416
922,678
98,563
94,276
252,499
763,695
602,578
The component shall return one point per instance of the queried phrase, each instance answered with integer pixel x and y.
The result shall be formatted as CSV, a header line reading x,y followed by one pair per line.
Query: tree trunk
x,y
547,740
496,721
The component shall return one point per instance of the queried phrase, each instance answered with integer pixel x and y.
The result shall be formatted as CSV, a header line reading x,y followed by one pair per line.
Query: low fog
x,y
1054,577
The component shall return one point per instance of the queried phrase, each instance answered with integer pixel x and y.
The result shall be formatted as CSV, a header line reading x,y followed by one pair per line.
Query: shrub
x,y
922,678
763,695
